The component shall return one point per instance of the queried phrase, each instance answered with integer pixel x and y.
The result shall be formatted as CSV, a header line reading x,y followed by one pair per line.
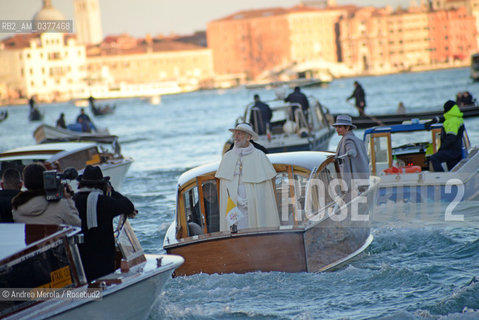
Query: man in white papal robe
x,y
246,175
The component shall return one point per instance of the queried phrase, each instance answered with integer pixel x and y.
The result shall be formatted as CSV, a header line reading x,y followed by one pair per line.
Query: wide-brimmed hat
x,y
92,175
344,120
245,128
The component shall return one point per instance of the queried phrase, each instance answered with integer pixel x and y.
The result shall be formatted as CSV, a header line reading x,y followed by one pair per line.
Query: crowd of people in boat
x,y
23,199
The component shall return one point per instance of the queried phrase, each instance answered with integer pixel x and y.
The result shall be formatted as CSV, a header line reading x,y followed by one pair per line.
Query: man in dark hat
x,y
98,204
452,131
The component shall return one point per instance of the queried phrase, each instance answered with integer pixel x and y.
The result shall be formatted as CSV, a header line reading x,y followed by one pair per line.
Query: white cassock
x,y
246,175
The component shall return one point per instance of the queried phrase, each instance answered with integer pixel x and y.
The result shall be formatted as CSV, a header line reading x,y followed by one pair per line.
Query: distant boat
x,y
35,115
133,90
102,110
301,82
369,121
305,133
45,133
154,100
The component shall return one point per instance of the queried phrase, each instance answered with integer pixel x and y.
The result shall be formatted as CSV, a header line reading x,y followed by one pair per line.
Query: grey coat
x,y
352,158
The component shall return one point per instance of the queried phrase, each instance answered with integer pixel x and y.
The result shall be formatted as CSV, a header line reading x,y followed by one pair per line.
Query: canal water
x,y
422,272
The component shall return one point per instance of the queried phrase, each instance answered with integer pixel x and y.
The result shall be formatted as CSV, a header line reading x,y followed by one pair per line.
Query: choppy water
x,y
425,272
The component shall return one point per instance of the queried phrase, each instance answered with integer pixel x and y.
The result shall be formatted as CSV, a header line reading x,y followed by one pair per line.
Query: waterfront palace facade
x,y
367,40
243,45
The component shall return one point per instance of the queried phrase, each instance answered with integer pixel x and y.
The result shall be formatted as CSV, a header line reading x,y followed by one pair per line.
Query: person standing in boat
x,y
360,98
298,97
61,121
351,153
11,185
260,115
451,138
98,204
246,175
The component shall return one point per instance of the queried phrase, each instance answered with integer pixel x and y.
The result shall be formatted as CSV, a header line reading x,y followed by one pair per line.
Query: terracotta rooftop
x,y
21,41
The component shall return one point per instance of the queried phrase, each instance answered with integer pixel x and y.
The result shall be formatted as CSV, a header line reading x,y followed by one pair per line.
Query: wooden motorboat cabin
x,y
307,240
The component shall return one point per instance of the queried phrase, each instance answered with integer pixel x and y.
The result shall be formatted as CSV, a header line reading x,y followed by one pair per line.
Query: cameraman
x,y
98,204
32,207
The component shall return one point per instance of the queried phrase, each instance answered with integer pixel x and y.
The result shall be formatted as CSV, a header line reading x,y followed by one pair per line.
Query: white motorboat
x,y
318,231
43,276
410,179
301,132
78,155
46,133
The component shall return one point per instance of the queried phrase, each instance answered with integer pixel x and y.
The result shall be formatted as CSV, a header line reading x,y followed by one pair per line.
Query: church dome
x,y
48,12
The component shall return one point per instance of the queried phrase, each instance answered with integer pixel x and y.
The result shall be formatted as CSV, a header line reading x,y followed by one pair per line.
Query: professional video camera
x,y
52,182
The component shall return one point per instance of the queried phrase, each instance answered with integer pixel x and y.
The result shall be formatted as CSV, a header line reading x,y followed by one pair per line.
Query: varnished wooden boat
x,y
311,237
368,121
45,133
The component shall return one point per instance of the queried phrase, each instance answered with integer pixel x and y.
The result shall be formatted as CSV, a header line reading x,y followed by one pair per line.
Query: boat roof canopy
x,y
45,150
405,127
305,159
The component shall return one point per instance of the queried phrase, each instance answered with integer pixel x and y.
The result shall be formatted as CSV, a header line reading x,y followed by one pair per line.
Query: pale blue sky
x,y
138,17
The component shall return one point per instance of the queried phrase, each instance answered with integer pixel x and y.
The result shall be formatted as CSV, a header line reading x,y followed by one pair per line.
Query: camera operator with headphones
x,y
98,203
32,206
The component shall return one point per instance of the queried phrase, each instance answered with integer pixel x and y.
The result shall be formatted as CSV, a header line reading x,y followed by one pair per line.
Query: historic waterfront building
x,y
88,21
49,66
380,40
130,60
356,39
255,41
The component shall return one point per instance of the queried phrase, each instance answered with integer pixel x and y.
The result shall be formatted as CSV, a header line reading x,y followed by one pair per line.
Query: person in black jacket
x,y
452,131
360,98
98,251
260,115
298,97
11,185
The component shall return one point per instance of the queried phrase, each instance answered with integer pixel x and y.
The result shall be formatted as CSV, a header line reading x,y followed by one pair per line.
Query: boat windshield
x,y
399,139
